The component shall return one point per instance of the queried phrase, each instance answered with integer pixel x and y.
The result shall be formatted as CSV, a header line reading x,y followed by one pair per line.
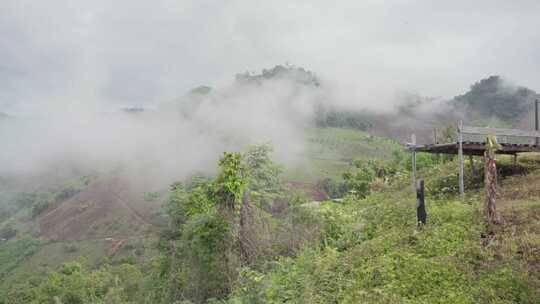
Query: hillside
x,y
104,219
330,151
92,218
367,250
258,232
496,98
374,252
493,101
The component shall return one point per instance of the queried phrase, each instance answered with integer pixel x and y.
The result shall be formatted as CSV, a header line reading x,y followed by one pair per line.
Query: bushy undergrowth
x,y
391,260
14,251
73,284
442,179
225,246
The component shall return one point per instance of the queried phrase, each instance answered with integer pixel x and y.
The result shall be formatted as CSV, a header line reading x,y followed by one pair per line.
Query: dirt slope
x,y
104,209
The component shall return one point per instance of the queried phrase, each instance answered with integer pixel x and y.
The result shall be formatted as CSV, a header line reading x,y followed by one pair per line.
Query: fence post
x,y
471,163
421,215
413,138
460,152
536,140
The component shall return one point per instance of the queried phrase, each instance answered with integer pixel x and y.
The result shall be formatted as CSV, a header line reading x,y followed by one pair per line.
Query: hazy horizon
x,y
103,54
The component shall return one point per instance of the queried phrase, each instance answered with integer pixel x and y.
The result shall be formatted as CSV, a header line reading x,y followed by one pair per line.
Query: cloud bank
x,y
65,63
101,54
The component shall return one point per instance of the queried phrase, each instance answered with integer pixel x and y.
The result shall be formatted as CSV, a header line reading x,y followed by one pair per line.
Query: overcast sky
x,y
104,53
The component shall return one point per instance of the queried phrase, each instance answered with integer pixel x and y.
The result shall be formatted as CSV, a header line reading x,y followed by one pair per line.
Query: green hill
x,y
330,152
365,249
373,251
256,232
495,97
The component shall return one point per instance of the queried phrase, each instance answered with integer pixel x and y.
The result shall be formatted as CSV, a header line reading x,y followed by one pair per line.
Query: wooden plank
x,y
474,148
500,132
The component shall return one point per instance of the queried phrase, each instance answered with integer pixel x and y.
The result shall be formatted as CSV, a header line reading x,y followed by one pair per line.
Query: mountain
x,y
495,97
288,72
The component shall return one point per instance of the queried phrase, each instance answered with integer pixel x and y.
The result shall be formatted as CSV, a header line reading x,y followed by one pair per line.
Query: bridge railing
x,y
506,136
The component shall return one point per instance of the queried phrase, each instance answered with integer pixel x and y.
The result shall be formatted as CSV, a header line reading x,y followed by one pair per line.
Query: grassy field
x,y
331,150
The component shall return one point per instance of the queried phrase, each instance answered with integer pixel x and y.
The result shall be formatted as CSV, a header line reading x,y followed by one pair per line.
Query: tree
x,y
211,232
490,180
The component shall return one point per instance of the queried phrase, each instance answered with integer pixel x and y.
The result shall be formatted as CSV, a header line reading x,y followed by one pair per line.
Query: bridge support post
x,y
460,152
536,140
413,138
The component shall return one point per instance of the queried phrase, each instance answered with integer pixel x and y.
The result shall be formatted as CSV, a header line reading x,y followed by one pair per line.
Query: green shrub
x,y
74,284
151,196
7,232
39,207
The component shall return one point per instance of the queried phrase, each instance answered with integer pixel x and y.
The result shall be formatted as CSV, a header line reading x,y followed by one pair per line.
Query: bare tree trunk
x,y
490,184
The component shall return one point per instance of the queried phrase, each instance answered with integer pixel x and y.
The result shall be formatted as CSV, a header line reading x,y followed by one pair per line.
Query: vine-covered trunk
x,y
490,184
243,235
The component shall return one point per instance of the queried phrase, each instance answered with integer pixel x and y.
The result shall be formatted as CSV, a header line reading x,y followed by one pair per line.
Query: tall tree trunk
x,y
490,184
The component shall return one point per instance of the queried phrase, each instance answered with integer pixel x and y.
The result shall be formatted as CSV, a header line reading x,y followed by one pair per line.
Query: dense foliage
x,y
333,118
493,97
75,285
382,257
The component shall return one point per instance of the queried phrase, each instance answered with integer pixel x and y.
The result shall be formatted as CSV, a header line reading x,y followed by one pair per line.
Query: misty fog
x,y
67,69
176,138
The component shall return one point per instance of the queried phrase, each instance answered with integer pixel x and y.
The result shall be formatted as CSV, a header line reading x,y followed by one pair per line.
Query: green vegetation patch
x,y
13,252
391,260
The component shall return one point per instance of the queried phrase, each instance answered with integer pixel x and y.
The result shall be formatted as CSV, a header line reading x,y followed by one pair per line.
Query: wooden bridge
x,y
506,138
512,142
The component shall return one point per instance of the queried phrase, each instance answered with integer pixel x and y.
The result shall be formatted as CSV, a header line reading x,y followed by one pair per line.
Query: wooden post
x,y
536,120
471,163
421,215
435,136
413,138
490,184
460,152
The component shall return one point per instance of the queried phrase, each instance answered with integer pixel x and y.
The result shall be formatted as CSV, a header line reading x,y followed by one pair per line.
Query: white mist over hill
x,y
175,139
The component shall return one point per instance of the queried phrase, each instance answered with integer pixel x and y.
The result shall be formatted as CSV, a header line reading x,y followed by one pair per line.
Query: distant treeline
x,y
490,101
494,97
360,120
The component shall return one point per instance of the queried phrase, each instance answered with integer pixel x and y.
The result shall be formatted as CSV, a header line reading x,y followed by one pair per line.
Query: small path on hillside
x,y
104,239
